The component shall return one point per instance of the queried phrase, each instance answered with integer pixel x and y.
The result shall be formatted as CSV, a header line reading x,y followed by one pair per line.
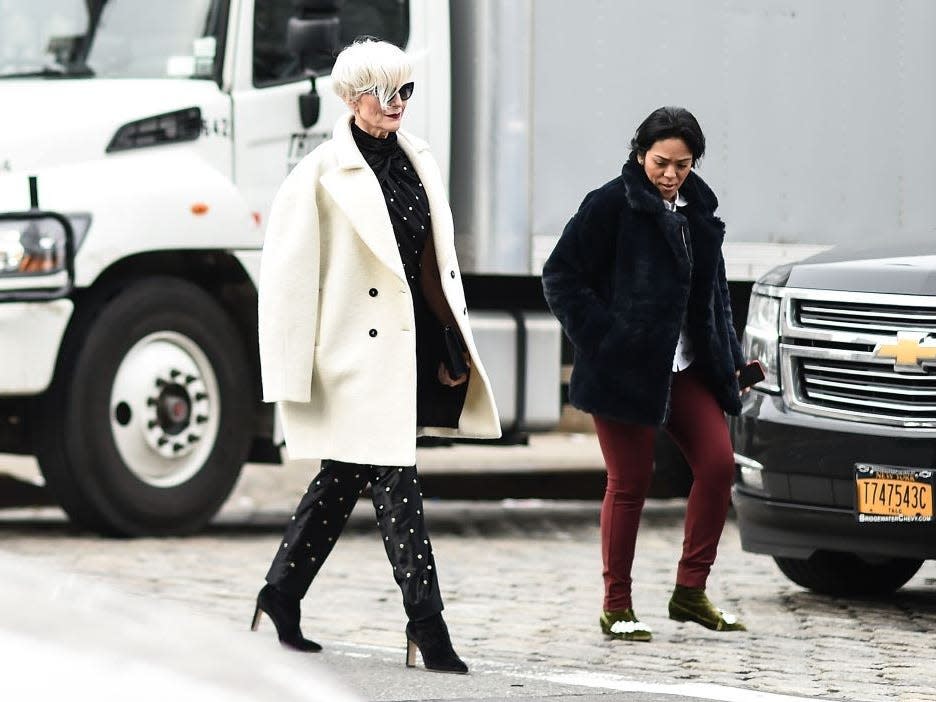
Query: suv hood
x,y
902,266
54,122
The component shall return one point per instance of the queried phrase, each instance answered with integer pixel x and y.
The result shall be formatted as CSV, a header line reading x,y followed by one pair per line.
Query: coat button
x,y
452,274
373,333
372,292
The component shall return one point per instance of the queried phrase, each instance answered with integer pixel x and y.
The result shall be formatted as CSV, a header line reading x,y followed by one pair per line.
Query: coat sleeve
x,y
571,270
288,294
736,353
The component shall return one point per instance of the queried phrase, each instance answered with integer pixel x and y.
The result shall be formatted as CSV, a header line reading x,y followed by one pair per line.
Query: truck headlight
x,y
762,338
29,246
36,252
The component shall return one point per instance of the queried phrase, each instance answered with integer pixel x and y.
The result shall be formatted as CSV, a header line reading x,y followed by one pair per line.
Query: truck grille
x,y
828,365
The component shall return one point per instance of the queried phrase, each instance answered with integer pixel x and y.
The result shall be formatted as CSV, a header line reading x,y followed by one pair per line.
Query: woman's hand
x,y
448,380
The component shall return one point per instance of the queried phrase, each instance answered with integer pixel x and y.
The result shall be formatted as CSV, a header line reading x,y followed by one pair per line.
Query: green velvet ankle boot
x,y
690,604
623,624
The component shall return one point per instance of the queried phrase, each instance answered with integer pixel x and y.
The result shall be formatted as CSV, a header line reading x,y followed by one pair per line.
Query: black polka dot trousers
x,y
323,512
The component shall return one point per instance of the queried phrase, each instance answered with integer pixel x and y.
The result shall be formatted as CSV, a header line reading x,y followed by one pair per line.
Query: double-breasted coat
x,y
337,332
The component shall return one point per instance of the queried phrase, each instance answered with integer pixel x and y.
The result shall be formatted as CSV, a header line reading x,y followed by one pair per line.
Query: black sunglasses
x,y
405,92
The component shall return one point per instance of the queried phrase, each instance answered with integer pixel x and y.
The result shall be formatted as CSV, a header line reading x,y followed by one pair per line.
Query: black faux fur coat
x,y
620,280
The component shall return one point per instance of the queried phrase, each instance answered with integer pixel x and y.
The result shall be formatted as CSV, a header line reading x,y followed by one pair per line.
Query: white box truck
x,y
157,134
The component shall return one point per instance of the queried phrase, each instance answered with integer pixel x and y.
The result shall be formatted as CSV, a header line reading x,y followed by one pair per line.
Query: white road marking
x,y
702,691
593,680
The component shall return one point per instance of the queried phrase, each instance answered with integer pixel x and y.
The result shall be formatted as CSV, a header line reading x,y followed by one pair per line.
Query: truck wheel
x,y
152,408
831,573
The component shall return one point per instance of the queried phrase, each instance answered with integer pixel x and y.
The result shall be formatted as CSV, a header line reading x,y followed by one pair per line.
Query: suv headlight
x,y
36,251
762,338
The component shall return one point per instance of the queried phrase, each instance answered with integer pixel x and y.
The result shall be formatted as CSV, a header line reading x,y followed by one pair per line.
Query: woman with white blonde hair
x,y
365,343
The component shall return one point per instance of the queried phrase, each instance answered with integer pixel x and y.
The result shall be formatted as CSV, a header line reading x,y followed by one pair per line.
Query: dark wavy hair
x,y
665,123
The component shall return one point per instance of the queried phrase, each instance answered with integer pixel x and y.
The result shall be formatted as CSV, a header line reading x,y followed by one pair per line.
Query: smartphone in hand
x,y
751,374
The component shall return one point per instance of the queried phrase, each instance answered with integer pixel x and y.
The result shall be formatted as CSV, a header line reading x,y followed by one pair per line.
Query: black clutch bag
x,y
453,357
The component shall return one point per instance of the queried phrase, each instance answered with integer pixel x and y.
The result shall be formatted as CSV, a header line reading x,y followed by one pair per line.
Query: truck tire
x,y
148,422
831,573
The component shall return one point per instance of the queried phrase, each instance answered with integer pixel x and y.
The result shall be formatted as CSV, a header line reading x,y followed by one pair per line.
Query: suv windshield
x,y
110,38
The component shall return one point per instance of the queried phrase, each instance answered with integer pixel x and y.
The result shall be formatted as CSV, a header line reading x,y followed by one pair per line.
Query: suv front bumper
x,y
807,499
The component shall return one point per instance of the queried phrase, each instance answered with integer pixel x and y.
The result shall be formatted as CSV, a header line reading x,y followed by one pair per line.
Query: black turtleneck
x,y
404,195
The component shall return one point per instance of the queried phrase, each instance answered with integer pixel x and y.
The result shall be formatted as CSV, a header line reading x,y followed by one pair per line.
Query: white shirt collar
x,y
680,202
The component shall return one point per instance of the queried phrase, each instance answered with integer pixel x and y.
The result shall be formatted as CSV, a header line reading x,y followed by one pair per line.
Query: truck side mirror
x,y
312,34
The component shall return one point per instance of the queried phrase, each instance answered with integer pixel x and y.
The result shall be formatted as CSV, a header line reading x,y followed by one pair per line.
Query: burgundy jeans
x,y
697,425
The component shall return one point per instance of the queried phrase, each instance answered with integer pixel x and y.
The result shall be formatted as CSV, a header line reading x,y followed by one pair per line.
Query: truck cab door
x,y
269,138
267,82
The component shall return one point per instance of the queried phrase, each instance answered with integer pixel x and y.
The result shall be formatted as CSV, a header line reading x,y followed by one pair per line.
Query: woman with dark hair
x,y
638,282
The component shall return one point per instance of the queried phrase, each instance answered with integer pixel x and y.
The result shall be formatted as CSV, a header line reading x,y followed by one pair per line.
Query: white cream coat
x,y
340,359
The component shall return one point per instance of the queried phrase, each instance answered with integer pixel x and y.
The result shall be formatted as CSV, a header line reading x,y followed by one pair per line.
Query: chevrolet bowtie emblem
x,y
911,349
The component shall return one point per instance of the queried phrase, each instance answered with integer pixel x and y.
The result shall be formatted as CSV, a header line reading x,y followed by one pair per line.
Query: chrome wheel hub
x,y
164,409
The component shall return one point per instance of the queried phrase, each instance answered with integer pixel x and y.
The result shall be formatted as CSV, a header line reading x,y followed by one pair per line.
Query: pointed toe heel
x,y
284,612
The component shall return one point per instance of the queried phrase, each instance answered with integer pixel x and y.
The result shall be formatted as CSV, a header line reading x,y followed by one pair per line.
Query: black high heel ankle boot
x,y
430,636
284,611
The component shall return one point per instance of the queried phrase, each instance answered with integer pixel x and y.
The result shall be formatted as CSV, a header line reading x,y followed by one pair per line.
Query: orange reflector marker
x,y
199,208
256,218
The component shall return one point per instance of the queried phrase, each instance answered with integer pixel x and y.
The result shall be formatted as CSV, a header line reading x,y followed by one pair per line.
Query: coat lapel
x,y
704,230
671,225
355,189
443,229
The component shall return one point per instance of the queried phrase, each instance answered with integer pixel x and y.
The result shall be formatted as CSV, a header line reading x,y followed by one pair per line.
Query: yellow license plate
x,y
891,494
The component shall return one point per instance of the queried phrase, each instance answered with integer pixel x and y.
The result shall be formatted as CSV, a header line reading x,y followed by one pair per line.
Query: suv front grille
x,y
828,364
874,388
884,320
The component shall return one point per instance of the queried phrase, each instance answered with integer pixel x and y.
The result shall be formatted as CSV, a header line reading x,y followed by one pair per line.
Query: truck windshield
x,y
110,38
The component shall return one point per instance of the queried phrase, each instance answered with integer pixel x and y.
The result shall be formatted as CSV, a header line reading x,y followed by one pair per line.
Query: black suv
x,y
836,449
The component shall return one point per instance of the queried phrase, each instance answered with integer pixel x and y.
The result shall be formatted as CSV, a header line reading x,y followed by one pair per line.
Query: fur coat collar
x,y
626,273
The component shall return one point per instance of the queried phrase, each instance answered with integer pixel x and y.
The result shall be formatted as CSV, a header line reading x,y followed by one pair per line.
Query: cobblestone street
x,y
523,592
